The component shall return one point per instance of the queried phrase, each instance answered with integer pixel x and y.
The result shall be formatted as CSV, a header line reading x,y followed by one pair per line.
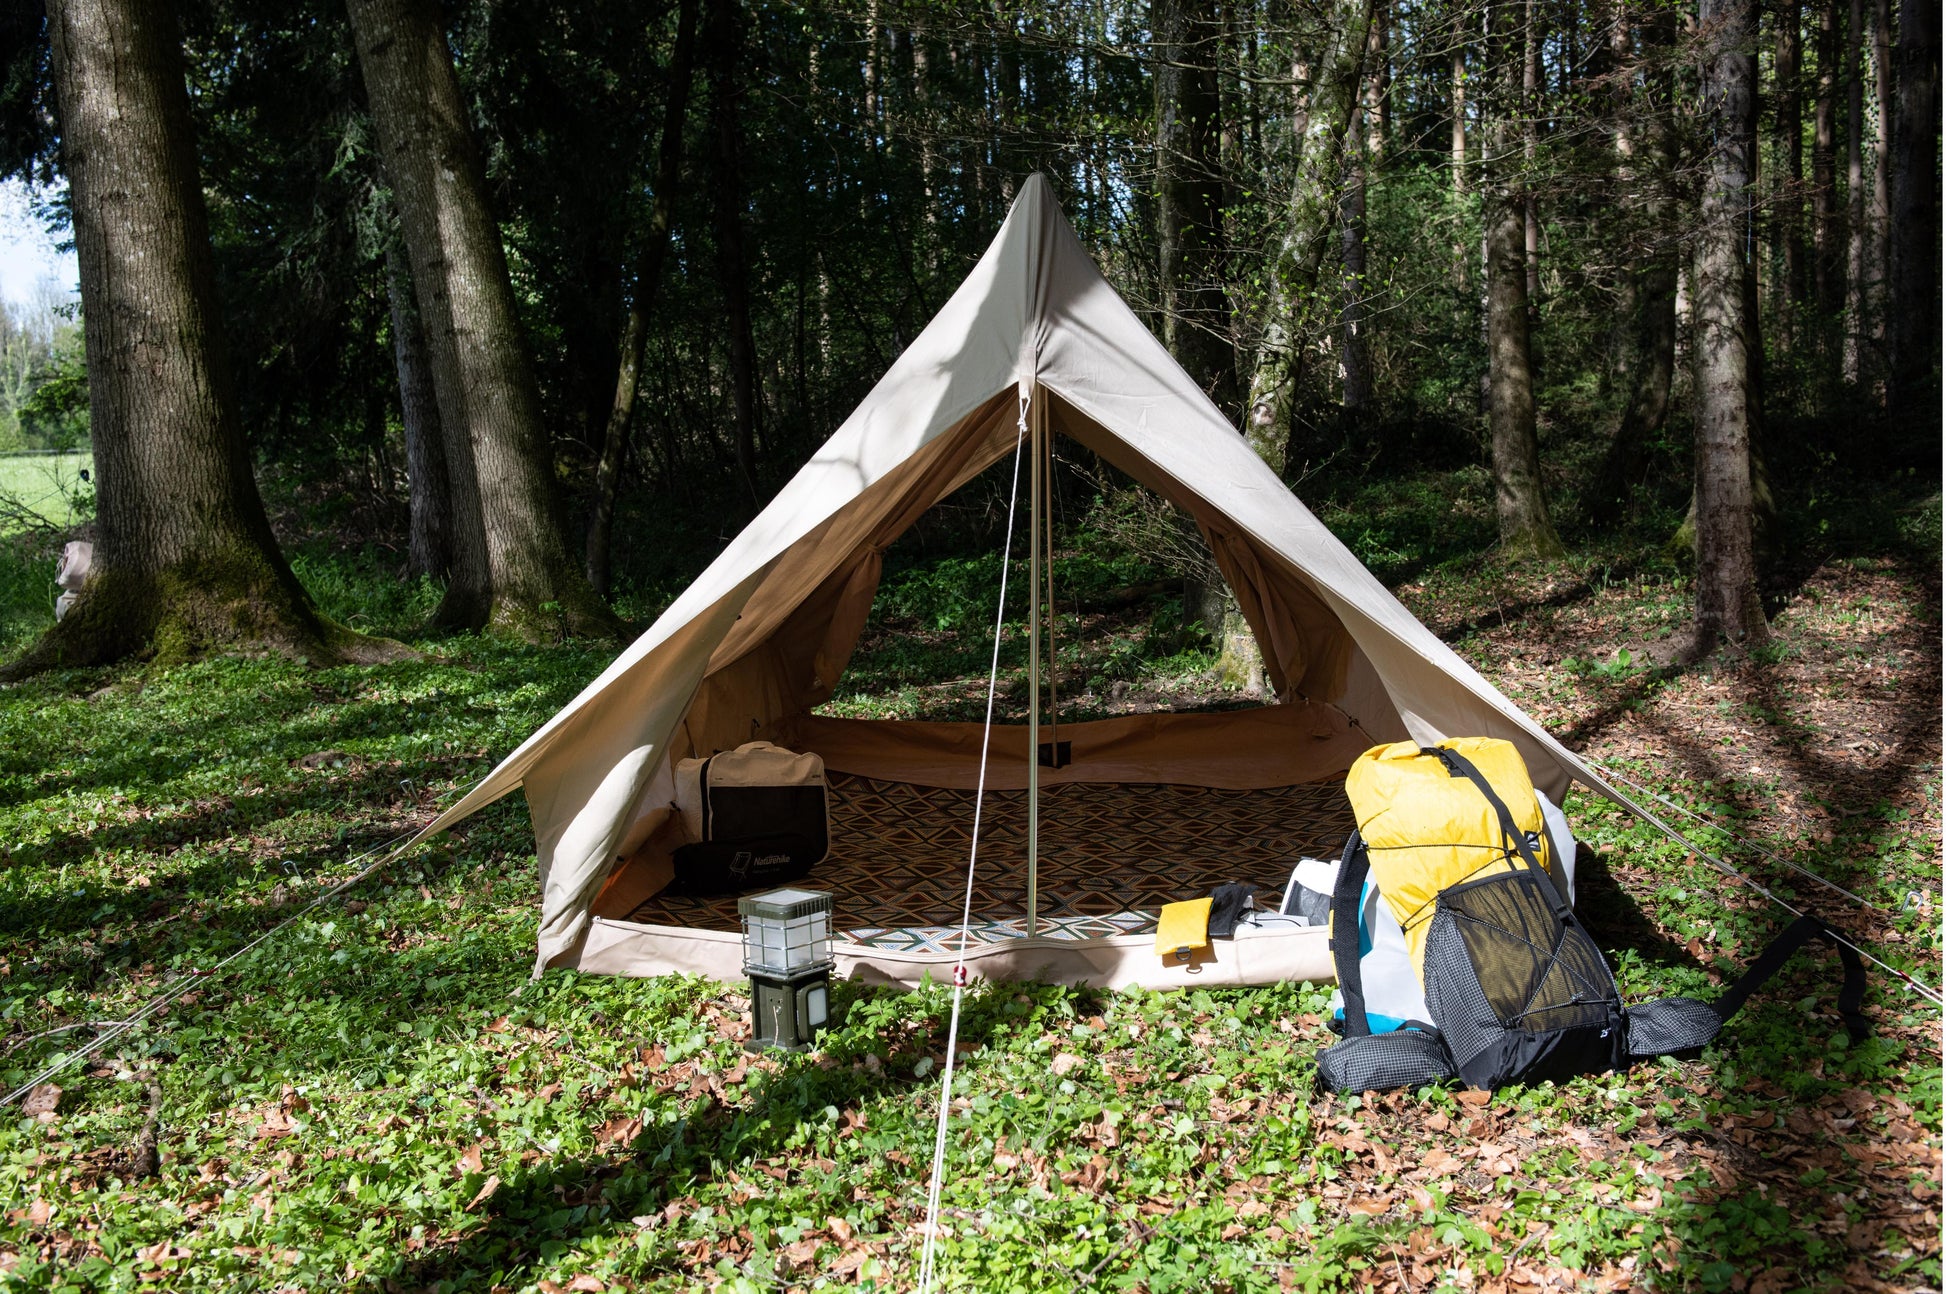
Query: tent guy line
x,y
1608,766
1925,991
972,862
389,852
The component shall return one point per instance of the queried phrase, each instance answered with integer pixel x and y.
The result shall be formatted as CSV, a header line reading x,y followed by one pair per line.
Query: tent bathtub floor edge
x,y
1255,956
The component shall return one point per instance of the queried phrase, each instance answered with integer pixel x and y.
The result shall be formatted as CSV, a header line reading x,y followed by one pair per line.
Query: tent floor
x,y
1110,857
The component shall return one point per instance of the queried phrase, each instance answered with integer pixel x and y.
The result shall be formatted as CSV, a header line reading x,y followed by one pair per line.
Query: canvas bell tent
x,y
1035,344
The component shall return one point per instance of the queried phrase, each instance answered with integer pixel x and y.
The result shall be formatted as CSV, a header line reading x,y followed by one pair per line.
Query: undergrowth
x,y
379,1098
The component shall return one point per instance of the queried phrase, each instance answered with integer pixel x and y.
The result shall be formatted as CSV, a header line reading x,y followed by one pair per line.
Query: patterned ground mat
x,y
1110,856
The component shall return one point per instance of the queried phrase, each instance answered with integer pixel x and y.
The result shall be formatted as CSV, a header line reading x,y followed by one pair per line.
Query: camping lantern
x,y
787,955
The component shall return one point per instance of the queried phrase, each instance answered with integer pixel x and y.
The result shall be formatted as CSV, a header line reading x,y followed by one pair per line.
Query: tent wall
x,y
1249,749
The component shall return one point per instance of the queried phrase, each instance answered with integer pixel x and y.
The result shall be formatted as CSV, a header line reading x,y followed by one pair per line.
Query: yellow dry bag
x,y
1427,829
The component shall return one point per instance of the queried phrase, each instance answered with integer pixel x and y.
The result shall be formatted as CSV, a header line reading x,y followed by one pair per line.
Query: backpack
x,y
1454,839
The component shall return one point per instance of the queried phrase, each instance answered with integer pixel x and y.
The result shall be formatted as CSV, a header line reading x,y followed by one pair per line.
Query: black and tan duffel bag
x,y
755,816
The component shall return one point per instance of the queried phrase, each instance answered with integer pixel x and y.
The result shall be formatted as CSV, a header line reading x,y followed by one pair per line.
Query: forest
x,y
424,353
1606,251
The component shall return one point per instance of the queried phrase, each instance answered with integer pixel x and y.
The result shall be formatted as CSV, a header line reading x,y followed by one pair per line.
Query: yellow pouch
x,y
1182,930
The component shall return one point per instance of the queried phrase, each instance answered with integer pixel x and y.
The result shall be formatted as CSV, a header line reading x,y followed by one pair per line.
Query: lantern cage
x,y
785,932
787,954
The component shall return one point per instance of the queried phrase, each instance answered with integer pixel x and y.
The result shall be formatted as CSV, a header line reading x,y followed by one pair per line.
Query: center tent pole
x,y
1053,654
1037,424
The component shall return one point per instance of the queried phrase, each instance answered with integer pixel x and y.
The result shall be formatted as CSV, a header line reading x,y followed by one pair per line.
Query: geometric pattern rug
x,y
897,868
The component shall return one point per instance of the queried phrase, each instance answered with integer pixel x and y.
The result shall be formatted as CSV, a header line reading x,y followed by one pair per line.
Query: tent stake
x,y
1037,414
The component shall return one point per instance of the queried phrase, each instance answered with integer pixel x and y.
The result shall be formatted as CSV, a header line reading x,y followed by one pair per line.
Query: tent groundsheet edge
x,y
1254,957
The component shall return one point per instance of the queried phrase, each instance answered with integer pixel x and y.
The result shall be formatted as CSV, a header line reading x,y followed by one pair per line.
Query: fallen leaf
x,y
588,1284
620,1131
1441,1164
1065,1062
487,1188
470,1161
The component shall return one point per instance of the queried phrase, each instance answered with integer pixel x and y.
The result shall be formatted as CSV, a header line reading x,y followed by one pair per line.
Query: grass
x,y
380,1099
47,485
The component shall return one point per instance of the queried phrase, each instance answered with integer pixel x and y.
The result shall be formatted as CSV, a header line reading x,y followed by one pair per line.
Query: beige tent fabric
x,y
762,633
1264,746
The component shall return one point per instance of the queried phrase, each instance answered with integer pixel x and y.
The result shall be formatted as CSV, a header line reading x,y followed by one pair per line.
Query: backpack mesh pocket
x,y
1380,1062
1518,992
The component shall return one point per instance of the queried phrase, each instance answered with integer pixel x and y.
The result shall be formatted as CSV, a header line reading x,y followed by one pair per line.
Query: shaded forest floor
x,y
375,1100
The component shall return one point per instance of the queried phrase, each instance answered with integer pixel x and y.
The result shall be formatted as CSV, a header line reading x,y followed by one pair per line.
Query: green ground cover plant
x,y
381,1098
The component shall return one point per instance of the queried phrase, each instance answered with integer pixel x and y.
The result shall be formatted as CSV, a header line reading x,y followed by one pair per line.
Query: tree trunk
x,y
1788,146
1646,151
1825,230
928,146
1366,142
185,561
1458,145
428,550
1458,106
1727,605
1519,500
1530,80
1855,232
724,41
1914,335
1189,188
1325,93
511,569
1878,205
648,280
1195,299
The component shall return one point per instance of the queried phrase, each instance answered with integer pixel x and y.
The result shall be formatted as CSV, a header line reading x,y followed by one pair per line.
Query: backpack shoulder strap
x,y
1851,995
1680,1024
1352,869
1460,766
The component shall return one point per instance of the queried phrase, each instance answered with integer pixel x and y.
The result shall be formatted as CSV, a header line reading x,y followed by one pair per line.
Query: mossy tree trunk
x,y
1325,87
511,571
185,561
